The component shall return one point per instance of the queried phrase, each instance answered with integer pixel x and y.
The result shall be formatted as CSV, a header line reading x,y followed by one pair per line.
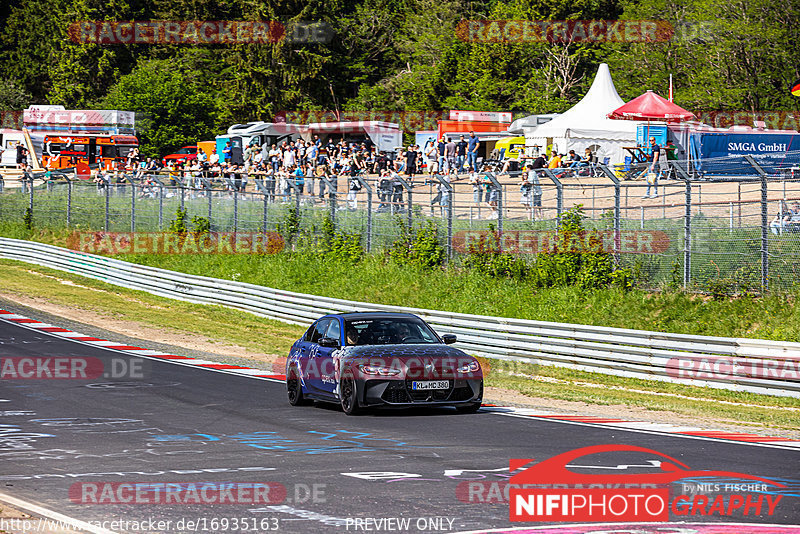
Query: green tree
x,y
13,97
173,108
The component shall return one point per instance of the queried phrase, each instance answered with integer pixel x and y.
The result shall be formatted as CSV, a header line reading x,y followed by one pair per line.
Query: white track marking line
x,y
55,516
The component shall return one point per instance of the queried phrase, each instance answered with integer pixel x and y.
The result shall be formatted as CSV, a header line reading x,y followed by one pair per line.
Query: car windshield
x,y
388,331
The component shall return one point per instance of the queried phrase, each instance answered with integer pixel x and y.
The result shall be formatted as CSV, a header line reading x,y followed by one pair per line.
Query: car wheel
x,y
294,390
349,393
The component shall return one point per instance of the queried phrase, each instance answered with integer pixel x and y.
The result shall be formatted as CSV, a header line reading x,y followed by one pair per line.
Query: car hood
x,y
415,361
422,350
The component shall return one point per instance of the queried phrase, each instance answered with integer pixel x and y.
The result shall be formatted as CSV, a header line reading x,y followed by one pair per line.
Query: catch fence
x,y
699,231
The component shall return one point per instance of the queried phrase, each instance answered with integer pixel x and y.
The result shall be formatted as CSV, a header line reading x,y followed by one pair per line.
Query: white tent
x,y
585,124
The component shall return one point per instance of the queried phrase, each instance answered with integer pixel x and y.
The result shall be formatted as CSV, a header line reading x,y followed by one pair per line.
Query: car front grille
x,y
396,393
461,394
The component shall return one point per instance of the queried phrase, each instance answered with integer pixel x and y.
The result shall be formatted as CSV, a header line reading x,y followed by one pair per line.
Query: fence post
x,y
107,187
407,187
450,194
368,189
730,230
559,195
687,237
133,205
160,205
235,211
498,186
180,185
617,223
764,223
30,186
297,205
69,202
266,203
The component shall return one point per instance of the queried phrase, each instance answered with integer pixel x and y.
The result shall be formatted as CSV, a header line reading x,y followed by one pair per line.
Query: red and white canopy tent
x,y
650,107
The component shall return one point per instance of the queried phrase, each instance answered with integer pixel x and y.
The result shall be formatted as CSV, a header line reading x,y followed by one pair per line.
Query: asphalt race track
x,y
65,443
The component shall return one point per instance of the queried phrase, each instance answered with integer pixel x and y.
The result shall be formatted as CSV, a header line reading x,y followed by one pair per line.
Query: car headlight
x,y
470,367
378,370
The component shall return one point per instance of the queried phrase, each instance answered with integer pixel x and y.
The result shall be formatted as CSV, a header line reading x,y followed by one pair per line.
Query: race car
x,y
370,359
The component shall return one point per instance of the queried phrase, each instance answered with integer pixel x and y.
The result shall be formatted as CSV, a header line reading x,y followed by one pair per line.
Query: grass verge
x,y
230,326
214,323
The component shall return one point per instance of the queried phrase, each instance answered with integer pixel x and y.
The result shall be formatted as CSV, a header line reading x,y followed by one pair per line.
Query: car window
x,y
333,330
319,331
316,332
310,332
389,331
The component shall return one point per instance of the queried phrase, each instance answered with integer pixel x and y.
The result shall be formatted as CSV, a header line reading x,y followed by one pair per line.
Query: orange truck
x,y
63,150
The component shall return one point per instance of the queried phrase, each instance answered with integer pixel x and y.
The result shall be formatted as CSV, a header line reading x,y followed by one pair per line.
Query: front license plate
x,y
430,384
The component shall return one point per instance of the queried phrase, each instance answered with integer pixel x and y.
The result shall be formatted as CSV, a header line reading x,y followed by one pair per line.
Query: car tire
x,y
349,392
294,390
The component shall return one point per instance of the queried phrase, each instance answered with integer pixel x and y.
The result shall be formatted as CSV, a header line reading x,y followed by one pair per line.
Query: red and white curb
x,y
633,426
139,351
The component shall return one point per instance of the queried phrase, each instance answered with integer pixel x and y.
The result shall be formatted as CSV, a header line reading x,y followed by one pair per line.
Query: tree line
x,y
392,55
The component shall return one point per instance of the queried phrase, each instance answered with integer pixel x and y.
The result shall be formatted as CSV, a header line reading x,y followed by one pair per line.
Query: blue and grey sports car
x,y
368,359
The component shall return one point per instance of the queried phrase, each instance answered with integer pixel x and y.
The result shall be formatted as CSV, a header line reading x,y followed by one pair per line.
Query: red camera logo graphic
x,y
549,491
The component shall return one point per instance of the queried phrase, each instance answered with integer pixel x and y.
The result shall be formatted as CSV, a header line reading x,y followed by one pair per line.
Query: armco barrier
x,y
758,366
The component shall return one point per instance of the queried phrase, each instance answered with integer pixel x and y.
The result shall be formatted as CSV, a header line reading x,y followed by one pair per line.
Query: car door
x,y
301,350
324,357
311,352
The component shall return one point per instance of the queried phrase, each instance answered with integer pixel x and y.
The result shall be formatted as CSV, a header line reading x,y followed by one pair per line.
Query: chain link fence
x,y
678,227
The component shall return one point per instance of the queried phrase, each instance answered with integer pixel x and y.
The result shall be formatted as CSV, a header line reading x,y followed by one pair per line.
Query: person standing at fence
x,y
352,193
652,171
526,192
397,191
310,178
477,188
430,155
269,181
411,162
441,159
289,159
473,144
461,154
450,153
299,179
492,197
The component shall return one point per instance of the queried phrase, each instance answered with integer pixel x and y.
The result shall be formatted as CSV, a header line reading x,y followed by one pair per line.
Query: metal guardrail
x,y
757,366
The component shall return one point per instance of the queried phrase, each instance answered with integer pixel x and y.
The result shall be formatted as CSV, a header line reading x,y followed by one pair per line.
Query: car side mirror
x,y
329,342
449,339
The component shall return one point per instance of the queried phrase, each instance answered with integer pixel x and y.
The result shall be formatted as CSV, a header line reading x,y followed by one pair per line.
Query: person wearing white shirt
x,y
288,158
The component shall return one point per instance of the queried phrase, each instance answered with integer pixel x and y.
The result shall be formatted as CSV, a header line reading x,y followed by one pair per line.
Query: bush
x,y
486,257
178,224
340,245
419,247
578,258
